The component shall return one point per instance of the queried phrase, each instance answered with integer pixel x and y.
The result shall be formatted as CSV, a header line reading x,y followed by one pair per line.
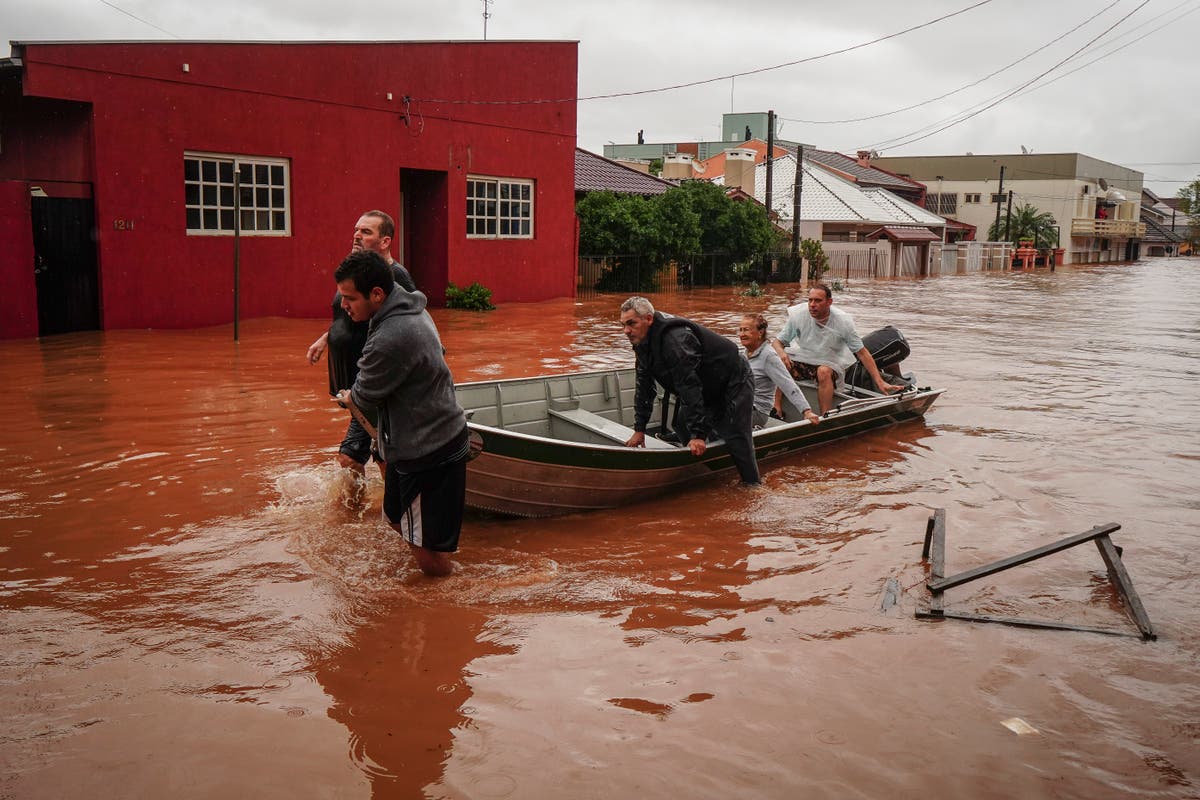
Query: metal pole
x,y
237,244
999,199
1008,218
770,161
796,189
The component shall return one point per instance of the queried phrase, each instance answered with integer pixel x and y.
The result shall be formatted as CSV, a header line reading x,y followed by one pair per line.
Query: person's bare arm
x,y
317,348
868,361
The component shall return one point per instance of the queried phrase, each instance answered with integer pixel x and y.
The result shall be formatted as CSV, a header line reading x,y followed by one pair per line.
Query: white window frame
x,y
500,208
266,202
945,202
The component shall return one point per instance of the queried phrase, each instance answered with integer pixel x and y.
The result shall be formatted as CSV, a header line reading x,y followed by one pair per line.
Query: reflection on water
x,y
196,601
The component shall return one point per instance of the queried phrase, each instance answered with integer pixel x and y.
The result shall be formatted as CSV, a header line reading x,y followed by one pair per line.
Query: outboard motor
x,y
889,348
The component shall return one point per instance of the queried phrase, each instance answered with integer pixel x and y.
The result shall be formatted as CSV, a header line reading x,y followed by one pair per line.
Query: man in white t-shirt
x,y
820,344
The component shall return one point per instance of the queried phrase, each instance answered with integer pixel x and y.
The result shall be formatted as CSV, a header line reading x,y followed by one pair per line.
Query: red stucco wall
x,y
325,108
18,293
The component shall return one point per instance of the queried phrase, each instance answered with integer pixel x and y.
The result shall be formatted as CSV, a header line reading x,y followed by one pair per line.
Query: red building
x,y
118,162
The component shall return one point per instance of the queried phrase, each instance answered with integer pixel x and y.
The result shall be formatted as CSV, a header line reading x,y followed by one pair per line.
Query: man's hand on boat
x,y
697,446
888,388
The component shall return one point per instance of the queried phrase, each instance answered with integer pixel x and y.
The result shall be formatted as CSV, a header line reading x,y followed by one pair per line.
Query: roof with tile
x,y
867,175
827,197
595,173
899,233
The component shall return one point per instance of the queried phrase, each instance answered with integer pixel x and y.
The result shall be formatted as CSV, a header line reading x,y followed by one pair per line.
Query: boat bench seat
x,y
604,427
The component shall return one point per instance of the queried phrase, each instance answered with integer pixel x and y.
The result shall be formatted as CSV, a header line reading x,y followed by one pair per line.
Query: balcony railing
x,y
1108,228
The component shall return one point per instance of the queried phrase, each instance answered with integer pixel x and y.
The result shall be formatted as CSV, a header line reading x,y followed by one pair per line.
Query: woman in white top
x,y
769,372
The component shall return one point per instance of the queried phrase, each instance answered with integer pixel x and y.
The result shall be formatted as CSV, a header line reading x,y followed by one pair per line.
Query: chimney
x,y
677,166
739,169
864,158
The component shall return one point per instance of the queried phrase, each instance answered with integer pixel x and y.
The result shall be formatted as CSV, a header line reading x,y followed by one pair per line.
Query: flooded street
x,y
193,606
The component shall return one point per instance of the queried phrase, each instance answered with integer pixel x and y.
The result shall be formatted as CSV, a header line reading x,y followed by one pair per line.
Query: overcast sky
x,y
1129,98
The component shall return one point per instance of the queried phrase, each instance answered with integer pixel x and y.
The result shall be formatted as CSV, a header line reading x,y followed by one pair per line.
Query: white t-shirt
x,y
809,342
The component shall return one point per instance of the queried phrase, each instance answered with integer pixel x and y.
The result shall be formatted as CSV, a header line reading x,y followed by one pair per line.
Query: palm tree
x,y
1027,223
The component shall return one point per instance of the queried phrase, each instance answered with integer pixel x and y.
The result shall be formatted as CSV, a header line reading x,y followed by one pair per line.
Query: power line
x,y
1082,66
897,141
731,76
1103,56
964,87
115,7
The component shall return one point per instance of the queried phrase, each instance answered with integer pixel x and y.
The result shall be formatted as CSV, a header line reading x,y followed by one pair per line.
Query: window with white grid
x,y
942,203
209,194
499,208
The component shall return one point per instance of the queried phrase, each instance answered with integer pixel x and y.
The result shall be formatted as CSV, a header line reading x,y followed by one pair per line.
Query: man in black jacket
x,y
707,373
345,338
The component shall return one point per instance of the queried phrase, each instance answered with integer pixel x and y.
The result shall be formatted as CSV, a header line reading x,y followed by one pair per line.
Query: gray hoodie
x,y
403,372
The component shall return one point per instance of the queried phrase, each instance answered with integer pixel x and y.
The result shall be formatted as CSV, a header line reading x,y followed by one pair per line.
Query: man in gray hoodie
x,y
422,433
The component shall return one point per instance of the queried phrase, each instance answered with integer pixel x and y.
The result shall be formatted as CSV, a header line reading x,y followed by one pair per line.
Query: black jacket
x,y
690,361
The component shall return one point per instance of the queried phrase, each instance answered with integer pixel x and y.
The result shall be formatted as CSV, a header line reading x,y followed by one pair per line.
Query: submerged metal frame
x,y
934,551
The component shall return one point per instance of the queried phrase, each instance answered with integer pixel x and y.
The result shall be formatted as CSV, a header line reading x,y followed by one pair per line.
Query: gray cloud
x,y
1133,107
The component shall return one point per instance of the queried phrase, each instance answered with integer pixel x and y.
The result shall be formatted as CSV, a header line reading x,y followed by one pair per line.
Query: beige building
x,y
1096,204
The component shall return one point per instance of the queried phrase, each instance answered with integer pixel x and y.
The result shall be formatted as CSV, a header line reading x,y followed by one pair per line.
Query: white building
x,y
1096,204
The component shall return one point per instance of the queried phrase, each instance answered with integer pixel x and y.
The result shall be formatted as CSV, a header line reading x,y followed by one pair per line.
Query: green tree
x,y
670,227
1027,223
695,217
1190,198
608,223
743,230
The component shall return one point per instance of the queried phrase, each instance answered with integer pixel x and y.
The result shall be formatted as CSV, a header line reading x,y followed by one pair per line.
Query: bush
x,y
475,297
812,251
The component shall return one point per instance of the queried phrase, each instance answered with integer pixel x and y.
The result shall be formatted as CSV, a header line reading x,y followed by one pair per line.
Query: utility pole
x,y
999,199
1008,218
770,160
796,189
237,246
486,15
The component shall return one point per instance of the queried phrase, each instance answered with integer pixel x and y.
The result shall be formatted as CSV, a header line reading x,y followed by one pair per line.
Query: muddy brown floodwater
x,y
191,605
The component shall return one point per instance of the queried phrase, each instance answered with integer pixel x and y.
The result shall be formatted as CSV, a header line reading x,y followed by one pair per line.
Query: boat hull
x,y
536,473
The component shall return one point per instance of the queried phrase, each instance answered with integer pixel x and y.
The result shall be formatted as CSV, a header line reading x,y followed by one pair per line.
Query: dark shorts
x,y
426,507
358,445
357,442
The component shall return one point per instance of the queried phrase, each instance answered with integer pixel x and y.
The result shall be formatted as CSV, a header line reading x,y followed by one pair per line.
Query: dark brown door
x,y
64,256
